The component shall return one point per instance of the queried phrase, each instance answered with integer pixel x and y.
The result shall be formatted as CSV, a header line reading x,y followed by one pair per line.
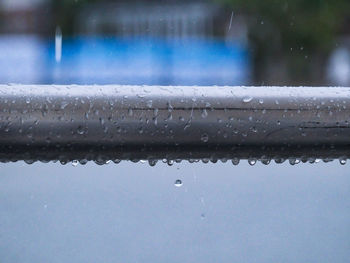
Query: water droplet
x,y
294,161
64,104
83,161
152,162
58,44
247,99
342,160
204,113
75,163
235,161
102,121
252,161
279,160
205,160
80,130
178,183
261,101
204,137
265,160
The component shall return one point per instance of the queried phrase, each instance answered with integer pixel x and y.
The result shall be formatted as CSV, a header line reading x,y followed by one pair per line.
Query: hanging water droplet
x,y
252,161
83,161
279,160
247,99
235,161
294,161
342,160
152,162
265,160
178,183
75,163
205,160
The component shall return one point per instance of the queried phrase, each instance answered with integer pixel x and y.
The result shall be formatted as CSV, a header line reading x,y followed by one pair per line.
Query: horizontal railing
x,y
114,122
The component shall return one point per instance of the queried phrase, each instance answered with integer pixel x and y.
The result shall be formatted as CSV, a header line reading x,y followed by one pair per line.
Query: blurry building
x,y
148,42
156,20
24,16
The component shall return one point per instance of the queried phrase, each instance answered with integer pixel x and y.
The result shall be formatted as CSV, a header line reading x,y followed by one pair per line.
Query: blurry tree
x,y
295,34
65,12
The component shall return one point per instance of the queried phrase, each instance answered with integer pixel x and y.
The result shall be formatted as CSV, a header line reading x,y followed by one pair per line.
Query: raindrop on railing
x,y
204,137
247,99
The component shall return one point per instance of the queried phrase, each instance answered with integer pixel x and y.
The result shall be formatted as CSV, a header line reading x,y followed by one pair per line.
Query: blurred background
x,y
193,42
136,213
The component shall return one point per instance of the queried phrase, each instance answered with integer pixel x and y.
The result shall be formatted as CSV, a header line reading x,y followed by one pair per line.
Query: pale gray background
x,y
134,213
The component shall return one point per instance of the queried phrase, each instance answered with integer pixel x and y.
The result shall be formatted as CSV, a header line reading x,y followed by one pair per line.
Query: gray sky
x,y
134,213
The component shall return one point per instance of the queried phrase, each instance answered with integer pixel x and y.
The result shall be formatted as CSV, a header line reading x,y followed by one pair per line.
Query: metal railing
x,y
152,122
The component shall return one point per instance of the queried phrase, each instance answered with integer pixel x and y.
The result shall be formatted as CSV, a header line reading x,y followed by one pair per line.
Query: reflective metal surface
x,y
153,122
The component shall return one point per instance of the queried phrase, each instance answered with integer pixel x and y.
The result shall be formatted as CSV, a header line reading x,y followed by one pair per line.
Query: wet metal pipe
x,y
153,122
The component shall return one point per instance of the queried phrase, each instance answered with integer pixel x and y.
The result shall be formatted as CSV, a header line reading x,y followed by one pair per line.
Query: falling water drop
x,y
178,183
58,44
75,163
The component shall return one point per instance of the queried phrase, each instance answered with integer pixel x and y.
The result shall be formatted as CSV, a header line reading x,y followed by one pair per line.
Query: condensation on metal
x,y
155,122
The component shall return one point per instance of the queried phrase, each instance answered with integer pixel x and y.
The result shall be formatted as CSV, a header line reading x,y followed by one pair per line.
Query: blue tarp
x,y
101,60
